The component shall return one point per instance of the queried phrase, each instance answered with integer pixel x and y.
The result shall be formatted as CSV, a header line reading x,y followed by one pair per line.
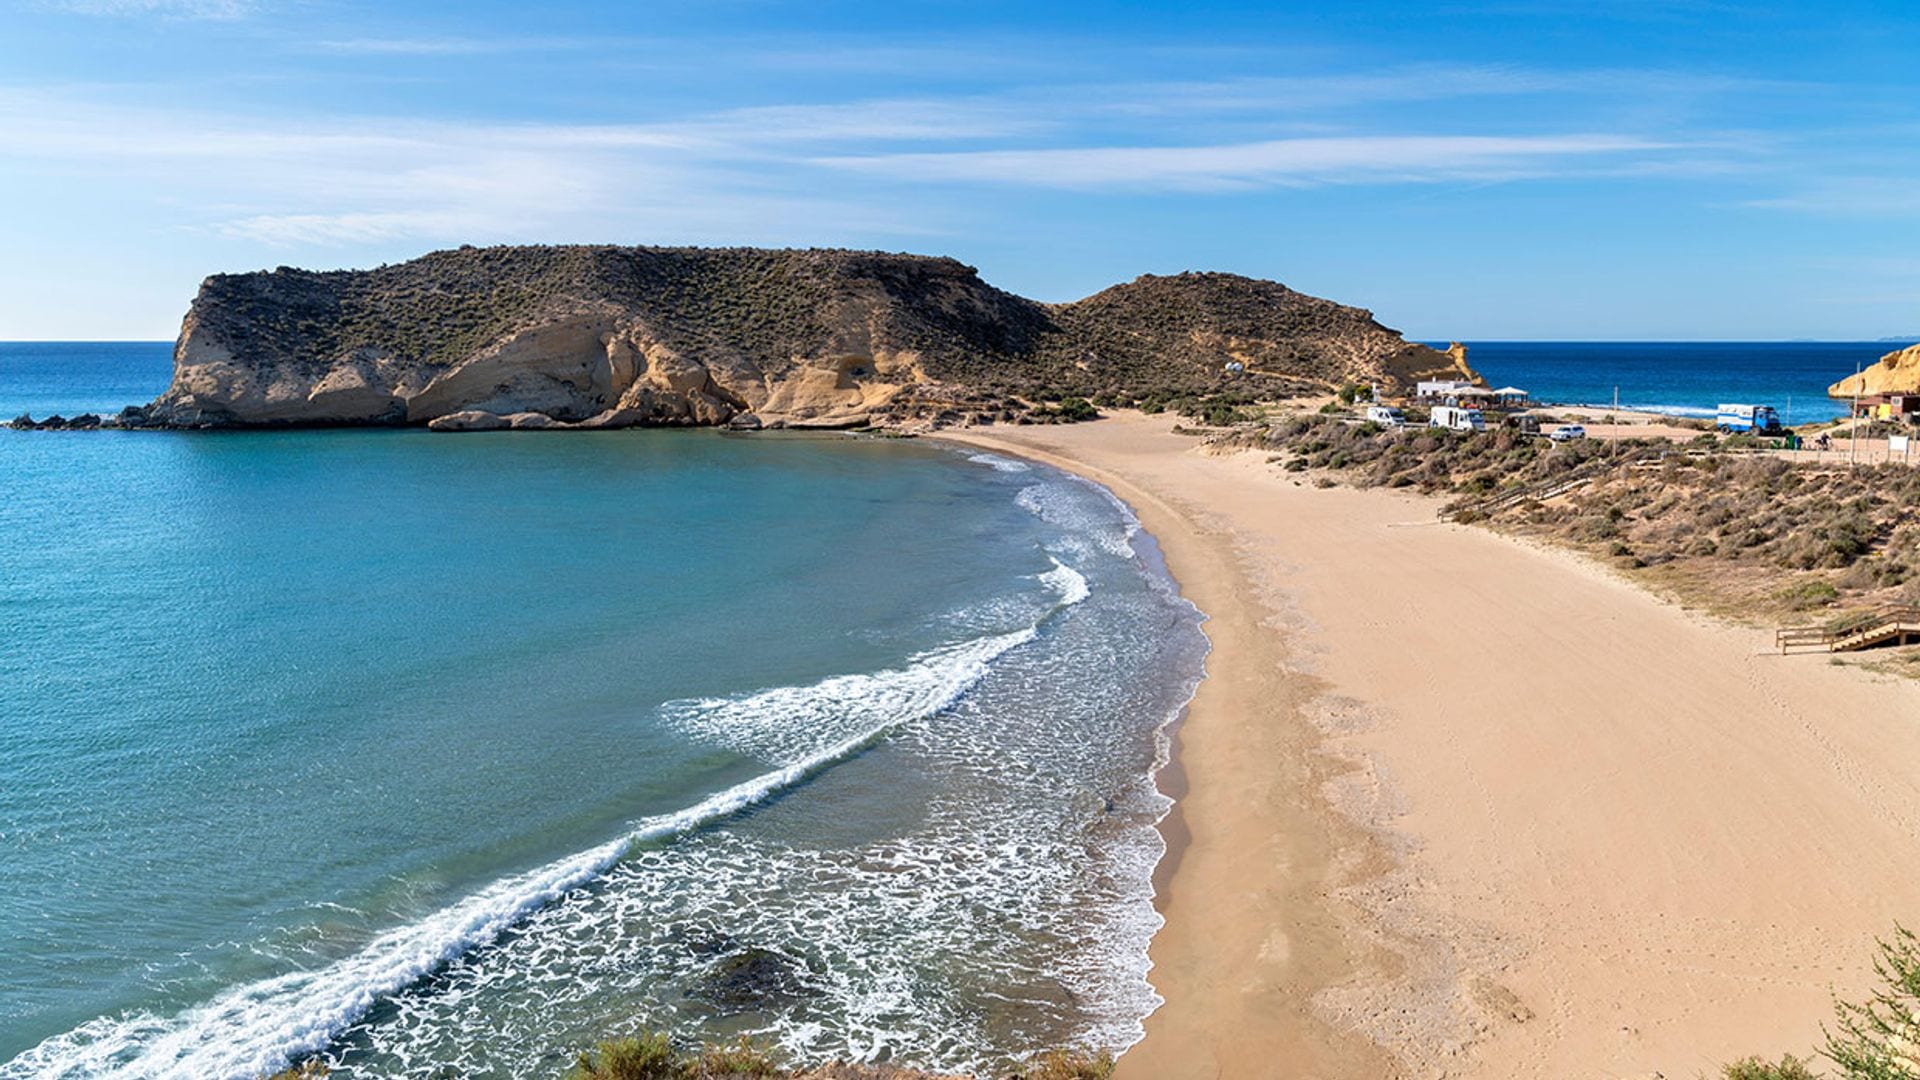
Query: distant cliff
x,y
623,336
1898,372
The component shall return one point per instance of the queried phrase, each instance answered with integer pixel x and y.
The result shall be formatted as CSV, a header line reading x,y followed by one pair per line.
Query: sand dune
x,y
1462,806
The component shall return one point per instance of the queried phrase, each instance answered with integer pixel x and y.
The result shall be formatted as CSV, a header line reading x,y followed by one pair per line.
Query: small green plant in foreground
x,y
1880,1040
1753,1068
1068,1065
1876,1040
652,1057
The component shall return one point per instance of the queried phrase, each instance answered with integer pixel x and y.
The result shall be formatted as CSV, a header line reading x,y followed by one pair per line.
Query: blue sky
x,y
1496,169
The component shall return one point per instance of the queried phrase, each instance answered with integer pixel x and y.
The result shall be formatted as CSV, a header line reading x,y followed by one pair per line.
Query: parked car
x,y
1567,433
1386,416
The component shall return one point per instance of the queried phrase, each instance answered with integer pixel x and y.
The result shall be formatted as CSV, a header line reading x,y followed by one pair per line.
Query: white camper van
x,y
1457,418
1386,416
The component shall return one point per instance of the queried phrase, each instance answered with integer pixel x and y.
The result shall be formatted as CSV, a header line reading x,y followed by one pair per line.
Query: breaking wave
x,y
261,1027
1059,505
999,464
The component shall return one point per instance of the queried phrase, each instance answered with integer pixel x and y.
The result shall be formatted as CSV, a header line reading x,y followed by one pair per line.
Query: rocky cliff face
x,y
600,337
1898,372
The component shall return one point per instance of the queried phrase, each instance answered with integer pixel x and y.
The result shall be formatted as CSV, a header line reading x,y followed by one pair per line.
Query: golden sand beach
x,y
1457,805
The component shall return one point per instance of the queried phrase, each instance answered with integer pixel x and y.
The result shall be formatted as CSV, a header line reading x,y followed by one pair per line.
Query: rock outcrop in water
x,y
1898,372
599,337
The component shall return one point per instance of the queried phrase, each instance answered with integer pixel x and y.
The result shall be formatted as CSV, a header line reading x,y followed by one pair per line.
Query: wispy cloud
x,y
424,46
1849,197
1426,82
358,181
180,9
835,167
1357,159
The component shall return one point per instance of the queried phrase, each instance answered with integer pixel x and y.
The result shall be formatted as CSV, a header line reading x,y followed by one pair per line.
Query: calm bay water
x,y
448,755
1688,378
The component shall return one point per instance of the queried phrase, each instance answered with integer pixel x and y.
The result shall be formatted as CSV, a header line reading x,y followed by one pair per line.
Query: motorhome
x,y
1386,416
1457,418
1751,418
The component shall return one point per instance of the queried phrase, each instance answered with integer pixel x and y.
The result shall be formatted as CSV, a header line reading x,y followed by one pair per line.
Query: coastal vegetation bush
x,y
1754,1068
653,1057
1876,1039
1067,1065
1746,532
1070,410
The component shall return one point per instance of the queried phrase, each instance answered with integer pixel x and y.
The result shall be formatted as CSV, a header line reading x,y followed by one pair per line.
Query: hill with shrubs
x,y
601,336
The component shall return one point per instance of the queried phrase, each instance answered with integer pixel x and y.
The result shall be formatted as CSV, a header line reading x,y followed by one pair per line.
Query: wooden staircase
x,y
1898,624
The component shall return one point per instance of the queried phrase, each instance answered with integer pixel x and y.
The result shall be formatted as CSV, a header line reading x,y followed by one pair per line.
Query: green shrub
x,y
642,1057
1876,1040
1809,594
740,1061
1753,1068
1880,1039
1074,408
1068,1065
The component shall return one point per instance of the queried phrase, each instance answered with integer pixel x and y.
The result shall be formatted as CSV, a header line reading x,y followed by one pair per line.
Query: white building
x,y
1441,388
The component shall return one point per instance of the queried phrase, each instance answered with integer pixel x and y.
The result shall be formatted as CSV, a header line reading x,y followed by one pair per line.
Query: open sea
x,y
449,755
1689,378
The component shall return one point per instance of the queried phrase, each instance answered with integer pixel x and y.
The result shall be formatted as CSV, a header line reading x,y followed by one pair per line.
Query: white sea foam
x,y
258,1028
1068,582
1002,464
789,721
1010,906
261,1027
1061,506
772,724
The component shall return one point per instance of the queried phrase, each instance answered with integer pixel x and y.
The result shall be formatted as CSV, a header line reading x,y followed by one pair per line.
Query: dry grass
x,y
1746,535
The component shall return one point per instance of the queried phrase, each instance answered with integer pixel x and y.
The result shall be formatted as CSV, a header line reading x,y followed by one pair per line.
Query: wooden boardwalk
x,y
1898,624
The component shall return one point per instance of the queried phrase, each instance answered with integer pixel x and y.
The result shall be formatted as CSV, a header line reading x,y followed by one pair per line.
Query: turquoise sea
x,y
445,756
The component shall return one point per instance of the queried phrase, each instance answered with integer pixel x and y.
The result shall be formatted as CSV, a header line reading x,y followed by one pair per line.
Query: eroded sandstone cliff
x,y
594,337
1898,372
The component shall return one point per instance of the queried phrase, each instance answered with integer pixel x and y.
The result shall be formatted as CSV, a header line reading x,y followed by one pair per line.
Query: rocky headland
x,y
607,337
1898,372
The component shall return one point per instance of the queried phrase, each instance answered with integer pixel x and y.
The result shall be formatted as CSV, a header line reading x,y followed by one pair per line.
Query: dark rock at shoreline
x,y
753,979
56,422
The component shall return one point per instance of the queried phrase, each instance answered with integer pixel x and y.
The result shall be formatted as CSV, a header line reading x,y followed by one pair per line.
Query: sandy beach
x,y
1458,805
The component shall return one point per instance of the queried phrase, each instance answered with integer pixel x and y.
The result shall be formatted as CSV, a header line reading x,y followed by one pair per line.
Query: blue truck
x,y
1758,419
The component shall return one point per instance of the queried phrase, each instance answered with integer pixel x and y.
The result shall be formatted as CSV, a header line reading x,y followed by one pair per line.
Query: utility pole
x,y
1853,444
1613,423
